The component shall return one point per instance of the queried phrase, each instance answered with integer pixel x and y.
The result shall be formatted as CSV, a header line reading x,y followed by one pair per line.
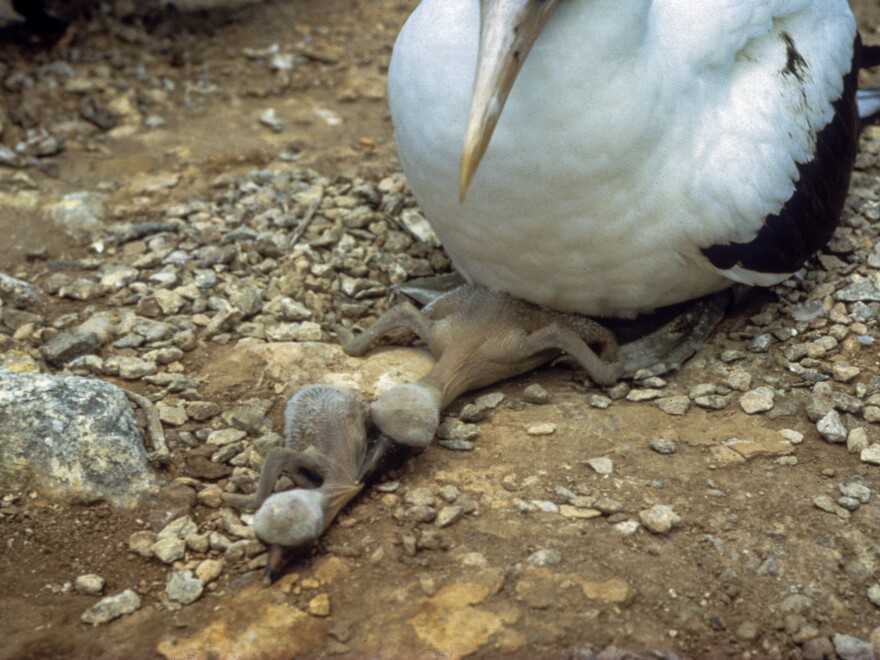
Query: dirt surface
x,y
541,560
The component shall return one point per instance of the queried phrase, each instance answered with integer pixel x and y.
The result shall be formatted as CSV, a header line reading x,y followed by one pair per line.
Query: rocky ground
x,y
192,203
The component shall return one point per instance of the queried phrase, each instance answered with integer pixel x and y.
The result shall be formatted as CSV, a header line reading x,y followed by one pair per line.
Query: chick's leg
x,y
565,339
279,460
404,316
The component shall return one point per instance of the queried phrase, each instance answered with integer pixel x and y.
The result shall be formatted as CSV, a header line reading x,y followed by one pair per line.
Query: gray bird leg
x,y
403,316
280,460
569,342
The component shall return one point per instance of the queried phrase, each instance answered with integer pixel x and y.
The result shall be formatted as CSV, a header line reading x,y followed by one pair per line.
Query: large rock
x,y
72,439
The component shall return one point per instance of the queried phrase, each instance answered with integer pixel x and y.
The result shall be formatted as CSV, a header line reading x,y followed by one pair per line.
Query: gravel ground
x,y
220,192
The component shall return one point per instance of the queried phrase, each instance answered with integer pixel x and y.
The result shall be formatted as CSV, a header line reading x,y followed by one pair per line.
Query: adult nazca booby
x,y
649,151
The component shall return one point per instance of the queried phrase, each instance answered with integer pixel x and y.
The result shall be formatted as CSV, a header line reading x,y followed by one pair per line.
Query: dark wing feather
x,y
807,221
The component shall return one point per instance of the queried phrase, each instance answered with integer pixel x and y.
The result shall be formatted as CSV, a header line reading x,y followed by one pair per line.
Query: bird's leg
x,y
403,316
562,338
280,460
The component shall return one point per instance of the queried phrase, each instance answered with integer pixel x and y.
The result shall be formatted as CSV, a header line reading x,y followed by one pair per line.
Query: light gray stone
x,y
80,215
871,454
112,607
757,400
601,465
71,439
662,445
545,557
674,405
659,519
168,550
848,647
89,584
448,515
831,427
183,587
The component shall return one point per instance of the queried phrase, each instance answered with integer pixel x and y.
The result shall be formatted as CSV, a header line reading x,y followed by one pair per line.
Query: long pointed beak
x,y
508,28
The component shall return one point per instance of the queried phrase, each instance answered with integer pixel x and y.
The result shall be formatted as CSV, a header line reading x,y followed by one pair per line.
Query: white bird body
x,y
638,134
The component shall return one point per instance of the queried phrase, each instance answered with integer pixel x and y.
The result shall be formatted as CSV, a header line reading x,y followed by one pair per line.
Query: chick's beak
x,y
508,28
277,560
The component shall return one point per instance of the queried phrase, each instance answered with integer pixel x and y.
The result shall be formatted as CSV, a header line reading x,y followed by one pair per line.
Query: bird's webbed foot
x,y
403,316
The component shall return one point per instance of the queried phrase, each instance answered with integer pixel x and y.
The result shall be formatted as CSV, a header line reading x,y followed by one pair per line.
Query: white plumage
x,y
637,134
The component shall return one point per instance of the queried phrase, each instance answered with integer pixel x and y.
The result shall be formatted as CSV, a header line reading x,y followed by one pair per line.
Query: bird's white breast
x,y
627,144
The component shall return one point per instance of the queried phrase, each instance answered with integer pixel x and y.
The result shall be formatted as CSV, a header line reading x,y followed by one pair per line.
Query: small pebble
x,y
547,557
142,543
831,428
712,401
659,519
544,428
112,607
662,445
848,647
856,490
209,570
183,587
320,605
843,373
857,440
448,493
643,394
448,515
674,405
534,393
578,513
602,465
794,437
849,503
457,445
874,594
169,550
598,401
757,400
618,391
211,496
420,497
871,454
748,631
453,429
627,527
546,505
824,503
90,584
225,437
479,409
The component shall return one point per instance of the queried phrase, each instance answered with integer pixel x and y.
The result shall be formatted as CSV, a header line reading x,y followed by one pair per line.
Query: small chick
x,y
478,336
332,424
